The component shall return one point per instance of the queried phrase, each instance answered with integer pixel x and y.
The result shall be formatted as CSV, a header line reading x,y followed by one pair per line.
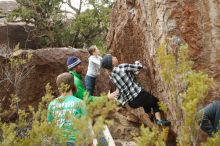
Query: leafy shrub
x,y
154,136
186,88
32,128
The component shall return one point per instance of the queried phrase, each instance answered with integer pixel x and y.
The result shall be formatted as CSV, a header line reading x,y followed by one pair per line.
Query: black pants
x,y
145,100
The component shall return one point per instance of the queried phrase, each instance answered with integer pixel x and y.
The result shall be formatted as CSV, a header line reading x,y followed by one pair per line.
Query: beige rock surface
x,y
139,26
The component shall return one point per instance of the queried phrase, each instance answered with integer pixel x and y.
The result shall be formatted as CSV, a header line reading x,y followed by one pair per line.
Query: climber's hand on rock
x,y
137,62
145,67
113,95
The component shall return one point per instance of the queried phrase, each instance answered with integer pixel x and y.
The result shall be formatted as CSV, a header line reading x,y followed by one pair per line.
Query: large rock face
x,y
138,27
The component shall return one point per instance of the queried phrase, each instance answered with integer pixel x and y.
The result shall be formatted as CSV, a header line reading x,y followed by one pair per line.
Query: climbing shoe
x,y
151,117
163,123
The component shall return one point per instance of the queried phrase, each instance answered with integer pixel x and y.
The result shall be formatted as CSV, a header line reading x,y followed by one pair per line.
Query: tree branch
x,y
1,81
80,7
66,11
69,3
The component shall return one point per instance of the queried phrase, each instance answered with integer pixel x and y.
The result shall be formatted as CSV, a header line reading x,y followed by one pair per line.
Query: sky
x,y
64,7
75,3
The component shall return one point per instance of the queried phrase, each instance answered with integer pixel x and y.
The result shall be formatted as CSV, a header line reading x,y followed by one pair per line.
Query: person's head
x,y
65,83
93,50
74,63
109,61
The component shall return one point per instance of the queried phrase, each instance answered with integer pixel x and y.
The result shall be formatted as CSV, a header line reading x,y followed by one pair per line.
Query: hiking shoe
x,y
152,117
163,123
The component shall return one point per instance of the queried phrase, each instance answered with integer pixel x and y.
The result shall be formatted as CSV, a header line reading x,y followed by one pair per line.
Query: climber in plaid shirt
x,y
123,77
129,92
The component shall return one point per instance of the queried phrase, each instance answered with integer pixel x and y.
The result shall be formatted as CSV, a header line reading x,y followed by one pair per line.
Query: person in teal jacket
x,y
75,68
66,104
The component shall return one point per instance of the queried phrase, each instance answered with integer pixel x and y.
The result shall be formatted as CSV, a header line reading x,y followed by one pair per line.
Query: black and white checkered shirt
x,y
123,76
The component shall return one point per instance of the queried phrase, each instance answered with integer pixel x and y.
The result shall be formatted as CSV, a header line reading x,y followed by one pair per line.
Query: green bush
x,y
152,137
186,88
32,128
213,141
16,68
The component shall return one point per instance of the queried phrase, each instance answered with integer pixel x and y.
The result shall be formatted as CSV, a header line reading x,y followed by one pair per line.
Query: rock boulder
x,y
138,27
46,64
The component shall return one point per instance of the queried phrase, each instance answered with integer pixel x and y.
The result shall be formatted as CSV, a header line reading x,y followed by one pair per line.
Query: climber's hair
x,y
92,49
65,83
